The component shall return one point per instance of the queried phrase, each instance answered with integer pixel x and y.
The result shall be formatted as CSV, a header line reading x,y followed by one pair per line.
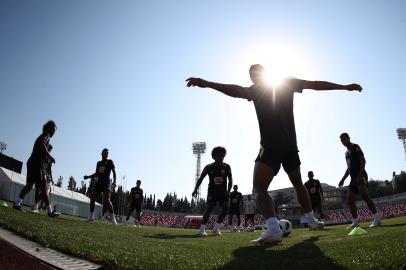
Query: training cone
x,y
4,204
357,231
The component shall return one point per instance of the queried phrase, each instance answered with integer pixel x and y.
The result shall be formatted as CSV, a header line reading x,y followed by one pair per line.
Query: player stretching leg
x,y
235,208
358,185
36,168
274,108
315,191
103,184
136,196
218,190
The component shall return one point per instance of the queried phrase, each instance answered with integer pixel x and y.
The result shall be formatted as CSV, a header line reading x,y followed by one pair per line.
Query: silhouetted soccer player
x,y
103,184
249,211
137,197
235,207
274,108
315,191
49,181
218,190
36,168
358,184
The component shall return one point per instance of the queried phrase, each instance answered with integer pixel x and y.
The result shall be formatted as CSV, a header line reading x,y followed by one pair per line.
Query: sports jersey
x,y
274,108
38,158
137,195
103,170
249,207
353,158
314,188
218,173
235,200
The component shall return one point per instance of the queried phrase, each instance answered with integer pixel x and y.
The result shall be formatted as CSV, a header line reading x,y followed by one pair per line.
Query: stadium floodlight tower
x,y
402,137
199,148
3,147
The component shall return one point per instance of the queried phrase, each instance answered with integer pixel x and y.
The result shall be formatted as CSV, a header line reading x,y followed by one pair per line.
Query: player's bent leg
x,y
107,201
27,188
206,215
353,209
263,175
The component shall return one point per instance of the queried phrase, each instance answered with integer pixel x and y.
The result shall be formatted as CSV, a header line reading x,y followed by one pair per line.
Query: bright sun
x,y
279,62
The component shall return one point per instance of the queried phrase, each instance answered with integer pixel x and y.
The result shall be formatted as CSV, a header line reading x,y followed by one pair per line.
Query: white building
x,y
66,201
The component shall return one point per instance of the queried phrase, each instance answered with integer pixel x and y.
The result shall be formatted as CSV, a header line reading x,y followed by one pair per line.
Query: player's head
x,y
257,74
310,175
105,153
235,187
249,197
49,127
138,183
218,153
345,139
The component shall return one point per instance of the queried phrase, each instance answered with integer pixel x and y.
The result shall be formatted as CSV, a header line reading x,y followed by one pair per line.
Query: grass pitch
x,y
127,247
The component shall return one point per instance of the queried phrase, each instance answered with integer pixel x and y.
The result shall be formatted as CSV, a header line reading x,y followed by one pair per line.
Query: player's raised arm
x,y
323,85
231,90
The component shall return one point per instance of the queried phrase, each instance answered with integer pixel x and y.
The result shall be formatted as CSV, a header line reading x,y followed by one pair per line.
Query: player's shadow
x,y
303,255
165,236
393,225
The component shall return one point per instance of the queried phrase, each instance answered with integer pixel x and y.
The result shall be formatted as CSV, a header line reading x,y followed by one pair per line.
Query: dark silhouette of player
x,y
136,197
218,190
103,184
36,168
358,184
274,108
315,191
235,208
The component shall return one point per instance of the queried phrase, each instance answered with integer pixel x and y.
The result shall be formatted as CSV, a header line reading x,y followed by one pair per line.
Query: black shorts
x,y
217,196
316,201
135,206
102,186
353,183
234,211
289,159
249,217
36,175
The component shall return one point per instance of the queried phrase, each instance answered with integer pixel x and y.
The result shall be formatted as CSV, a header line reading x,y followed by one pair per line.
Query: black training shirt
x,y
137,194
38,157
235,199
353,157
103,169
218,173
274,108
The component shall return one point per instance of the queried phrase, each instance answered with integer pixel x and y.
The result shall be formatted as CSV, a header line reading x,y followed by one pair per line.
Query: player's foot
x,y
353,225
90,219
316,225
35,211
54,214
376,223
202,233
268,237
18,207
216,231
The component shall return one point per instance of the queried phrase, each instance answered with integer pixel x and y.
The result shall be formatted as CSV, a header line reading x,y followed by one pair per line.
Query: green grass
x,y
126,247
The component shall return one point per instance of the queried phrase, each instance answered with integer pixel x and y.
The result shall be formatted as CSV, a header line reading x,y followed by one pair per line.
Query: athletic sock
x,y
216,225
310,217
272,224
18,202
203,227
91,215
49,208
113,216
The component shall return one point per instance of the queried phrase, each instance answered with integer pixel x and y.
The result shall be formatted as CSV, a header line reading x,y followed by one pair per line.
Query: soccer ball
x,y
285,226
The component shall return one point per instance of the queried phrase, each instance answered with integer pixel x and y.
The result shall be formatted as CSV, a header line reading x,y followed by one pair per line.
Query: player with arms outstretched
x,y
274,108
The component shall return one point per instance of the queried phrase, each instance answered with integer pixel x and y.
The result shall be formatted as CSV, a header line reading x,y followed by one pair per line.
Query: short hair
x,y
48,125
105,150
218,150
344,135
256,68
138,181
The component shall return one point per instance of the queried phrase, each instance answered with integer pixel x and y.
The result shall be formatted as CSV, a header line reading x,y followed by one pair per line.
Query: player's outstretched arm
x,y
323,85
231,90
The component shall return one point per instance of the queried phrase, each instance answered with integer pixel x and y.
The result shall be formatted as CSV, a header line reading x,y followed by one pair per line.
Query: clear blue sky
x,y
111,74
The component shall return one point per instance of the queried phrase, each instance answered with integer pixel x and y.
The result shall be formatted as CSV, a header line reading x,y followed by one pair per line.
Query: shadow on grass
x,y
393,225
175,236
303,255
